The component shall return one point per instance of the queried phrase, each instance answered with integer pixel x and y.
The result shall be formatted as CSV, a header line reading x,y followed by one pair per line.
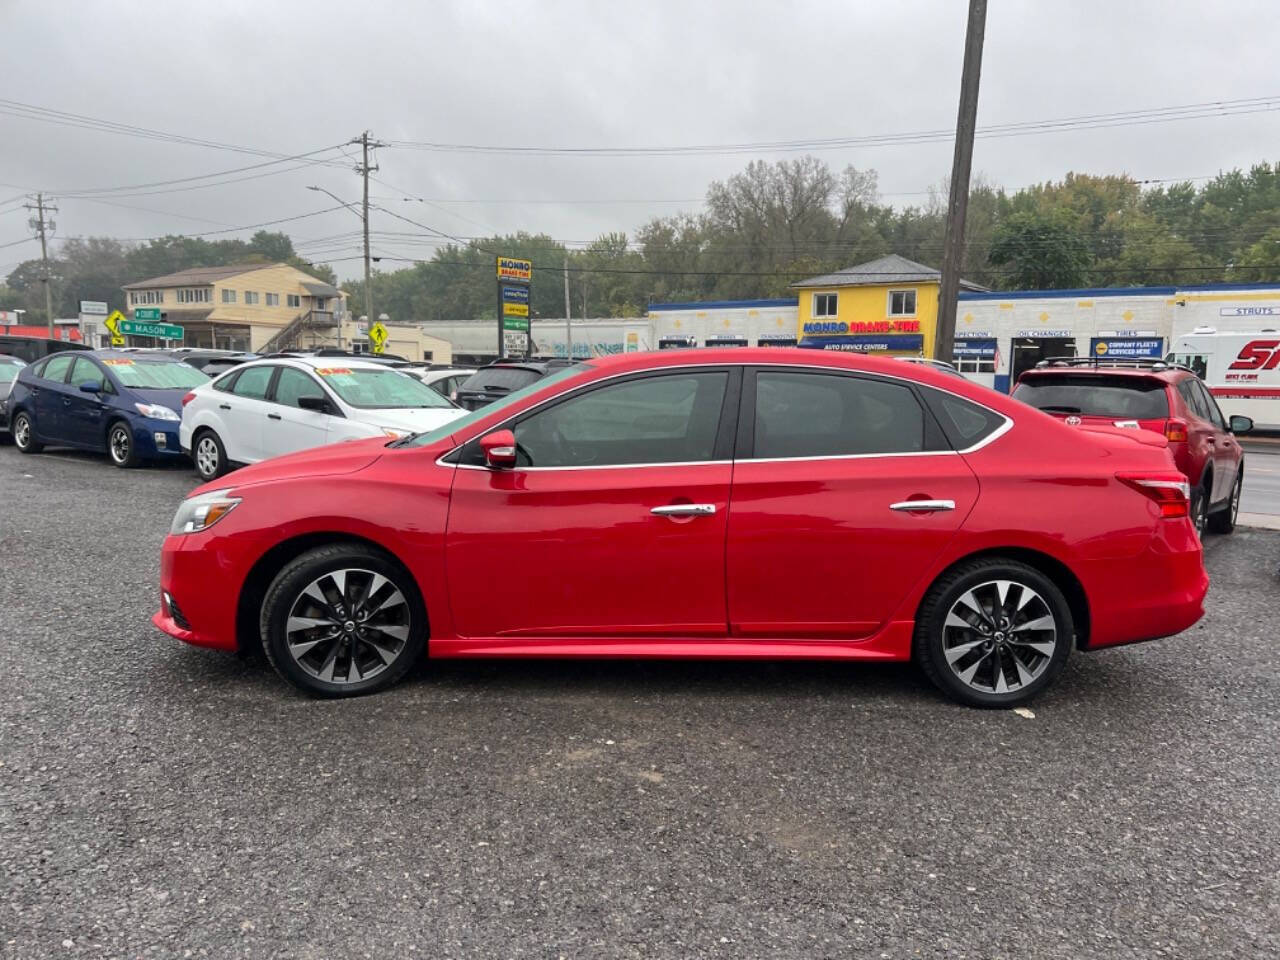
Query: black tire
x,y
1224,520
120,447
23,430
287,591
977,578
1200,509
208,442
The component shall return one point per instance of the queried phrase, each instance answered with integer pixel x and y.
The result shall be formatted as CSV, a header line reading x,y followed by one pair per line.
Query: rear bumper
x,y
1156,594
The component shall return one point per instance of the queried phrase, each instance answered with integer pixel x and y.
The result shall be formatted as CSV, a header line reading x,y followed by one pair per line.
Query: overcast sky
x,y
293,77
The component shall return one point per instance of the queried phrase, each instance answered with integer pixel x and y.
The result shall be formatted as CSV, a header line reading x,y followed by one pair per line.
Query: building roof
x,y
319,289
721,304
888,269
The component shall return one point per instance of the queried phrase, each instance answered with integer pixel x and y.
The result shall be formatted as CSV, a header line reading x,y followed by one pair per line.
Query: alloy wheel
x,y
207,457
1235,499
22,432
999,636
1199,513
347,626
119,443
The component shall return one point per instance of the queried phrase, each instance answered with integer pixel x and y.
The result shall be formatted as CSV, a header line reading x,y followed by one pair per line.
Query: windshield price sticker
x,y
332,371
124,362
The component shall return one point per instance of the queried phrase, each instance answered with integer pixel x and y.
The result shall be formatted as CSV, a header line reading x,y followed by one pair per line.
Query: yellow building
x,y
887,305
253,306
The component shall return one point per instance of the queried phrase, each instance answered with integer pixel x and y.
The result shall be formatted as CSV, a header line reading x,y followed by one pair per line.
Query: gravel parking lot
x,y
157,800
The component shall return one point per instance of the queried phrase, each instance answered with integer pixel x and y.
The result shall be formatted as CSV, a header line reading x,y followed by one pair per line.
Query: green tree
x,y
1040,251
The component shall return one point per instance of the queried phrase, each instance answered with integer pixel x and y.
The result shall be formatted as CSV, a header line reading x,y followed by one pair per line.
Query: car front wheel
x,y
24,434
343,620
120,445
209,455
993,633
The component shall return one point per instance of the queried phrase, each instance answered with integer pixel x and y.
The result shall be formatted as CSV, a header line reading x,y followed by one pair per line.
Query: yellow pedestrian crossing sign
x,y
112,323
378,334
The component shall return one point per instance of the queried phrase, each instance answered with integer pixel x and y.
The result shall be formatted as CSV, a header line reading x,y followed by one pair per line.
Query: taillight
x,y
1175,431
188,398
1172,492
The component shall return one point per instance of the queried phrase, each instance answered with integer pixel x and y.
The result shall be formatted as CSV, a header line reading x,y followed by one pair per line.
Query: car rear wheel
x,y
24,434
209,456
993,633
1224,521
120,446
1200,510
342,621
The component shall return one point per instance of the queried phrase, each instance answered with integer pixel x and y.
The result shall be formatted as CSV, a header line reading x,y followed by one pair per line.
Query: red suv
x,y
1152,395
718,503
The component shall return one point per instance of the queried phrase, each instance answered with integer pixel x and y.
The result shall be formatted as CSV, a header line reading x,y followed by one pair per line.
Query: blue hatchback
x,y
126,404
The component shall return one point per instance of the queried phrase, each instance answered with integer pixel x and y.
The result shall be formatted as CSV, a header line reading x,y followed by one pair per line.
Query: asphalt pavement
x,y
1260,496
157,800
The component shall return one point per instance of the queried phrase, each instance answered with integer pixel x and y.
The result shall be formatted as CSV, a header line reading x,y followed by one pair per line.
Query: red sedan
x,y
730,503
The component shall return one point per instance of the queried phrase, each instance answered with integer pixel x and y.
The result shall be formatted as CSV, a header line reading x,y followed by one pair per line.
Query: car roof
x,y
1166,374
136,356
314,362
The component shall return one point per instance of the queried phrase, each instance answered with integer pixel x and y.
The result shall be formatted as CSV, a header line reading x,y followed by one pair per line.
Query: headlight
x,y
394,434
156,411
202,512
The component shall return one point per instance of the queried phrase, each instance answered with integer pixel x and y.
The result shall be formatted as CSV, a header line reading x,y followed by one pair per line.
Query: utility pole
x,y
364,170
43,226
568,324
958,201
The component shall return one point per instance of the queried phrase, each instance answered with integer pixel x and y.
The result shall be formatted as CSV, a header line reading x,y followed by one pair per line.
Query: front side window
x,y
382,388
671,418
902,303
294,384
86,371
824,305
253,382
1198,362
832,415
56,369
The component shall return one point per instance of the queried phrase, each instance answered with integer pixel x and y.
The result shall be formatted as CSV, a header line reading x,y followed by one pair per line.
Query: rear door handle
x,y
685,510
273,416
924,506
224,406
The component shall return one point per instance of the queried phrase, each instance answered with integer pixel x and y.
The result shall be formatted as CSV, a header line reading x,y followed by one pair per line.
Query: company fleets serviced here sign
x,y
1126,348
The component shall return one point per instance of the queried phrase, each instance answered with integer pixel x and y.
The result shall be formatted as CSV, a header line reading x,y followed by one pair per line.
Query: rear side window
x,y
252,382
965,423
502,379
1210,405
1191,397
56,369
830,415
1128,398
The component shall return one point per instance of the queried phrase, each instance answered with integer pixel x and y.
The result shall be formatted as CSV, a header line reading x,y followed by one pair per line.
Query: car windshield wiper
x,y
1057,408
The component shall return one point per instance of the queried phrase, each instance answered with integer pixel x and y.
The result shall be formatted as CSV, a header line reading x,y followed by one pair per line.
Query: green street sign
x,y
515,323
151,314
165,331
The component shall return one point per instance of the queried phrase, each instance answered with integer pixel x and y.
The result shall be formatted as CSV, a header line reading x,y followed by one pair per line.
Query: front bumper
x,y
191,574
156,439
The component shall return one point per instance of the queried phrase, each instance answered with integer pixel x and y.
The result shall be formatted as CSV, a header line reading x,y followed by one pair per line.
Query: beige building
x,y
259,307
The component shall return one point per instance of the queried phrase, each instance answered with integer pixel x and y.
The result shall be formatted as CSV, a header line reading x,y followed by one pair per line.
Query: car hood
x,y
412,419
166,398
331,460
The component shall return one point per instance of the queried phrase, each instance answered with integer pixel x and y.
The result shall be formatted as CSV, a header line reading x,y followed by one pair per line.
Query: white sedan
x,y
270,407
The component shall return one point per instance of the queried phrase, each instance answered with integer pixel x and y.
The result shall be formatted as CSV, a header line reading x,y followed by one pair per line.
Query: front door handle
x,y
224,406
273,416
924,506
685,510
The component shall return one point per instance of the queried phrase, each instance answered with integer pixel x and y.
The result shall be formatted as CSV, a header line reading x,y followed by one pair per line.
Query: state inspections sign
x,y
515,301
1126,348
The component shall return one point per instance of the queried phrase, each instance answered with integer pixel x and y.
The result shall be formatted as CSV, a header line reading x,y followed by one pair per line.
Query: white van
x,y
1241,370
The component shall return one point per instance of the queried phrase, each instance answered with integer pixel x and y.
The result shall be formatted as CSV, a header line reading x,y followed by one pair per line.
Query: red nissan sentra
x,y
774,503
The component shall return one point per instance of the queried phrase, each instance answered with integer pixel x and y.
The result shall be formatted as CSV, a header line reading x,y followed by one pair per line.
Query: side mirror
x,y
90,386
317,404
499,449
1239,424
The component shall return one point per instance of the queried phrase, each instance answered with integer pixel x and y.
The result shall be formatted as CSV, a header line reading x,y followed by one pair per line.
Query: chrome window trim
x,y
994,435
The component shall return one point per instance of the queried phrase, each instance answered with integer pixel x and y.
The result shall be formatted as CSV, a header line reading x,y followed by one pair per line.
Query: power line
x,y
1195,111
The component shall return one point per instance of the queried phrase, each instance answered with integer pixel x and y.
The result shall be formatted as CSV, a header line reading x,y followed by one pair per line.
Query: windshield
x,y
9,369
1132,398
453,426
380,389
500,378
154,374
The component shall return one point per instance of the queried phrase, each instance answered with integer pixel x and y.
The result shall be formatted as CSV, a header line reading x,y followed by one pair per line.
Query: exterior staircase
x,y
287,337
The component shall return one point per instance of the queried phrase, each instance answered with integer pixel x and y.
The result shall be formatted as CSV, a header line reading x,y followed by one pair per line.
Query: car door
x,y
823,540
1202,438
1226,451
84,414
288,427
243,411
51,393
611,525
